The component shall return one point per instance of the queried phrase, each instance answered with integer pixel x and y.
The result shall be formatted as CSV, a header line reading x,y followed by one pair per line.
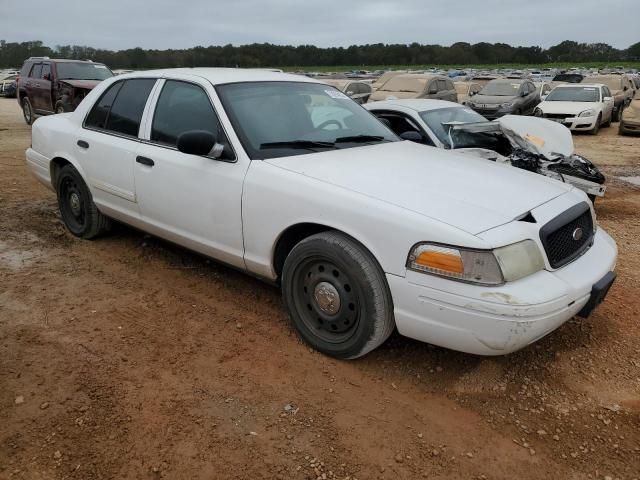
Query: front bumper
x,y
577,123
631,127
498,320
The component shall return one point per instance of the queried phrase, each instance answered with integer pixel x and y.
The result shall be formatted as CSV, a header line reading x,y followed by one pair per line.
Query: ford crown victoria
x,y
290,180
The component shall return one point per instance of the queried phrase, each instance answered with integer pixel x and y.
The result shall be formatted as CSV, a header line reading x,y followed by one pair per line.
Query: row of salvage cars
x,y
580,103
289,180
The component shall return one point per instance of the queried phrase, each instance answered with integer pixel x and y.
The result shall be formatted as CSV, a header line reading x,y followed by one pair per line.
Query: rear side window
x,y
26,68
183,107
36,71
442,85
126,111
97,117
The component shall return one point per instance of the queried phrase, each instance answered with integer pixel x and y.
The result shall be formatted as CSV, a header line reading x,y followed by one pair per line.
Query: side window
x,y
126,111
450,85
46,71
433,87
442,85
36,71
26,68
182,107
97,117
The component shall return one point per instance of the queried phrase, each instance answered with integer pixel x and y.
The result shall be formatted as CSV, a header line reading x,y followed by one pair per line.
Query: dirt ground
x,y
129,358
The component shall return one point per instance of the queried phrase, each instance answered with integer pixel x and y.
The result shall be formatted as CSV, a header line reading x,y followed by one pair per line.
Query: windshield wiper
x,y
305,144
360,139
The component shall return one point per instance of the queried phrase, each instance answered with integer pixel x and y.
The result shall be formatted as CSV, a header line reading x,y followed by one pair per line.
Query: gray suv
x,y
505,97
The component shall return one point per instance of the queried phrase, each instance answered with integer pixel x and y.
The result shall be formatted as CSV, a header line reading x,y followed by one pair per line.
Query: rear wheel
x,y
27,110
337,295
79,214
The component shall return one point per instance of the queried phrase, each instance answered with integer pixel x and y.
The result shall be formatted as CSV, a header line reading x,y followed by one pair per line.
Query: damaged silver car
x,y
529,143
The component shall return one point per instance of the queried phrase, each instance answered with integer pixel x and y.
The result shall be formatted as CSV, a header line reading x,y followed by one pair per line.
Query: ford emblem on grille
x,y
577,234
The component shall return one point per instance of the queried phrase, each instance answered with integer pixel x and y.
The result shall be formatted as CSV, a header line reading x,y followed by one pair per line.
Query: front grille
x,y
568,235
557,115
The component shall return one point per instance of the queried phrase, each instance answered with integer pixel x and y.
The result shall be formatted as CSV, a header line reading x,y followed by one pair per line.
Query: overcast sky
x,y
119,24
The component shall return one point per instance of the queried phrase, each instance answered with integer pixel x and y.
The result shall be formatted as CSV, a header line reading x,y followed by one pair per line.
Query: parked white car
x,y
364,232
581,107
530,143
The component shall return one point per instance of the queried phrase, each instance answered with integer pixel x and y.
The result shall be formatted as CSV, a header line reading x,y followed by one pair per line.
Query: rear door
x,y
189,199
41,93
607,99
31,82
108,144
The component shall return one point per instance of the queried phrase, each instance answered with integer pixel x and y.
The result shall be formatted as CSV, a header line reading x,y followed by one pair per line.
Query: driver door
x,y
189,199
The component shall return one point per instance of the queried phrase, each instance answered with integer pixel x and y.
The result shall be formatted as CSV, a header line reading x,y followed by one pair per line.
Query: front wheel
x,y
27,110
79,214
337,296
596,127
60,108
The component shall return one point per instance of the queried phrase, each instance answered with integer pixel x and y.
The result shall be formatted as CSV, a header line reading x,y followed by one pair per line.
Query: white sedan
x,y
580,107
364,232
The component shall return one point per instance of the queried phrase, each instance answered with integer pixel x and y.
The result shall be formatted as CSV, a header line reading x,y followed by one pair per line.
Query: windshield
x,y
281,119
574,94
438,120
82,71
501,89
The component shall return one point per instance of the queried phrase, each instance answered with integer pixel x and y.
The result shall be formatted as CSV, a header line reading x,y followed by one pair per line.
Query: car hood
x,y
632,111
86,84
452,188
493,99
572,108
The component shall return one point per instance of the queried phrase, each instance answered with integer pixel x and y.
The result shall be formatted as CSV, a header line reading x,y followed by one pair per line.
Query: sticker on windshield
x,y
336,94
99,66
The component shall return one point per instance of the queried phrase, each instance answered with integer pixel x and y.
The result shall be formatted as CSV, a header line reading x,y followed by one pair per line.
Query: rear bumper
x,y
38,164
498,320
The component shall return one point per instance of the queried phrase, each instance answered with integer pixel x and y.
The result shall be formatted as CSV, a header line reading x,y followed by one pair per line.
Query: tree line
x,y
13,54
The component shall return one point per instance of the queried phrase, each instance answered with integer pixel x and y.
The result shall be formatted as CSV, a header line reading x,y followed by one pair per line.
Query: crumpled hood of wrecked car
x,y
538,135
86,84
471,194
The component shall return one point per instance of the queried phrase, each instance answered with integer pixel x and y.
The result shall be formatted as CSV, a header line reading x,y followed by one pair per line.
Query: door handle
x,y
145,161
83,144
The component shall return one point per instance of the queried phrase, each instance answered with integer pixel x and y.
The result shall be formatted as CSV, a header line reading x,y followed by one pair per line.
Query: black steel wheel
x,y
27,110
79,214
337,295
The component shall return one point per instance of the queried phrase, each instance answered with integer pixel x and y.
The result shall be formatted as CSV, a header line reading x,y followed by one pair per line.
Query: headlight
x,y
484,267
537,112
519,260
588,113
507,105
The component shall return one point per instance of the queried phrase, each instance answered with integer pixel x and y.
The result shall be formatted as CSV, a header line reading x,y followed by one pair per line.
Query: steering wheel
x,y
330,122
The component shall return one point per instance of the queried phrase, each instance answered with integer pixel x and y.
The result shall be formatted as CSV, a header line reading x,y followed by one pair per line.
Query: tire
x,y
79,214
27,111
329,266
60,108
617,113
596,127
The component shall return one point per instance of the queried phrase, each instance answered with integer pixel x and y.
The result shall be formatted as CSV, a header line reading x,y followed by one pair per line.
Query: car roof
x,y
219,76
580,85
417,104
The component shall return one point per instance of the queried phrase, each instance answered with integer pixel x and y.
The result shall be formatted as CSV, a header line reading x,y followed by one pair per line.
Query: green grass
x,y
346,68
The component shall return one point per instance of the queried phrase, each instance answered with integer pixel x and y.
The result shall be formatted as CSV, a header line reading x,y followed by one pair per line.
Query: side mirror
x,y
412,136
196,142
625,88
471,94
